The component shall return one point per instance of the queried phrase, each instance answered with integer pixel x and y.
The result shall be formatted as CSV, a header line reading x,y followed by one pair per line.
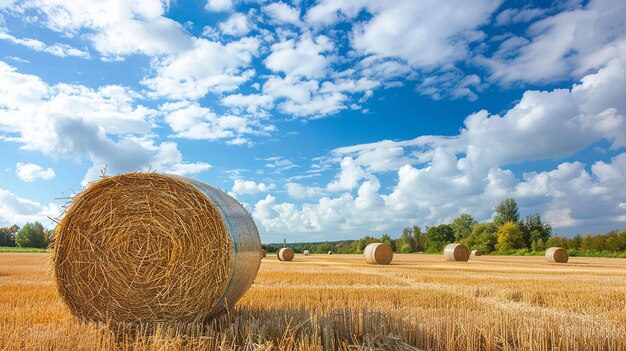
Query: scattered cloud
x,y
189,120
298,191
118,28
249,187
236,25
187,168
219,5
301,58
76,122
29,172
250,73
223,69
280,12
515,15
440,177
17,210
570,43
279,164
61,50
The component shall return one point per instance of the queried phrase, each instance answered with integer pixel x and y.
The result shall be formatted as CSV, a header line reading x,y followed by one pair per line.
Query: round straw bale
x,y
378,253
456,252
330,252
306,252
476,253
557,255
149,247
285,254
263,253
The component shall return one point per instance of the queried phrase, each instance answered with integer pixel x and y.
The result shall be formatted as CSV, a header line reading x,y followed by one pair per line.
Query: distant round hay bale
x,y
263,253
285,254
557,255
306,252
456,252
149,247
330,252
476,253
378,253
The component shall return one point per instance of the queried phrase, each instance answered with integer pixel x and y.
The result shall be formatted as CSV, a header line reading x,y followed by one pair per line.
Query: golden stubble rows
x,y
322,302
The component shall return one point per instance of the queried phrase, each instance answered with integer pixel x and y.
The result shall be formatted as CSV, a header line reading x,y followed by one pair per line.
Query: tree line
x,y
506,234
32,235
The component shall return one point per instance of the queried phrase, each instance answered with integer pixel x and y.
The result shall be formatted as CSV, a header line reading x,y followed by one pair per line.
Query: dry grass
x,y
142,247
323,302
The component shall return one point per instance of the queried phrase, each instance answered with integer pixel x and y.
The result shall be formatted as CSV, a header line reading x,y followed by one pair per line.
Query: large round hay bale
x,y
456,252
378,253
557,255
149,247
476,253
285,254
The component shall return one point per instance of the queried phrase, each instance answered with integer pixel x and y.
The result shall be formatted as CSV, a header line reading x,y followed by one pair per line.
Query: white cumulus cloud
x,y
438,177
30,172
219,5
222,69
282,13
243,187
77,122
17,210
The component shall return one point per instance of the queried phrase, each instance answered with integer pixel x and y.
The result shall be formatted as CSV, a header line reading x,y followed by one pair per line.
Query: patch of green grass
x,y
21,249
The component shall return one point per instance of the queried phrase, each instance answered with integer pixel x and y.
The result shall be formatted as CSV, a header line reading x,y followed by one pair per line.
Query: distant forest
x,y
507,234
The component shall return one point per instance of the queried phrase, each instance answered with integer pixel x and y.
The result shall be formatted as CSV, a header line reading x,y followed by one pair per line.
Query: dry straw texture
x,y
557,255
147,247
285,254
340,302
378,253
456,252
476,253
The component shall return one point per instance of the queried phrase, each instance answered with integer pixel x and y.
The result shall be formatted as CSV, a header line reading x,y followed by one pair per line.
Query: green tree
x,y
510,237
534,229
406,242
324,248
622,240
420,239
506,211
462,226
7,235
577,242
484,237
598,243
558,241
538,245
33,235
439,236
586,244
363,242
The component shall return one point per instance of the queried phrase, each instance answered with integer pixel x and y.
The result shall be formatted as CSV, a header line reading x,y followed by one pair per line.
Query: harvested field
x,y
323,302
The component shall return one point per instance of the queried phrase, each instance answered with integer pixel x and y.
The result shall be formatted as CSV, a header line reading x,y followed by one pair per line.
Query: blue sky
x,y
328,120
